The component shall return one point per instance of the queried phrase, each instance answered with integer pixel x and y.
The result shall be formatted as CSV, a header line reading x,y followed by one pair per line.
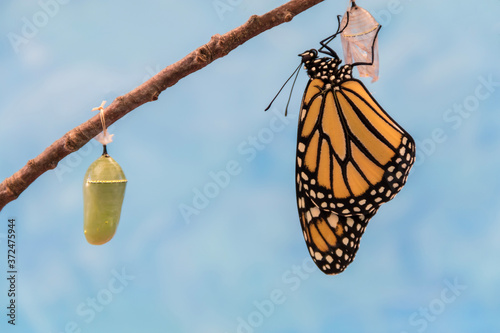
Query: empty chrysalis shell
x,y
359,40
103,193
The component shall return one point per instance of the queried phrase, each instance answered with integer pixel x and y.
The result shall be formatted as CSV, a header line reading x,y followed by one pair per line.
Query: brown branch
x,y
217,47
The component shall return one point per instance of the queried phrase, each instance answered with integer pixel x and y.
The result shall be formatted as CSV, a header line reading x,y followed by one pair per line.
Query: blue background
x,y
428,261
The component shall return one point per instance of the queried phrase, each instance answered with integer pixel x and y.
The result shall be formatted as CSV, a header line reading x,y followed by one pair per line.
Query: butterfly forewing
x,y
350,151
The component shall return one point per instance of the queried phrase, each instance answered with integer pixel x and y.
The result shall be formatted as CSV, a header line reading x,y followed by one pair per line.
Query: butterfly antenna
x,y
291,90
284,84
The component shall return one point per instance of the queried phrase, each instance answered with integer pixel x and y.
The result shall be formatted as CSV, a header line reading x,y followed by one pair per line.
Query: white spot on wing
x,y
308,216
301,147
333,219
315,211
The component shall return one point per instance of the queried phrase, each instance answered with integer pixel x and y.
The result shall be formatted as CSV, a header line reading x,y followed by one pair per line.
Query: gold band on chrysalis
x,y
106,181
362,33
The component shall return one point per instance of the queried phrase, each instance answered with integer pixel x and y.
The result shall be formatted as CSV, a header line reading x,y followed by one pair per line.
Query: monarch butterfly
x,y
351,157
103,192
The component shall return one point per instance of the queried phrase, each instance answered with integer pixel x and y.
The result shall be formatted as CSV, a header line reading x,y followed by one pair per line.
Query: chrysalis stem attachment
x,y
104,138
100,108
104,150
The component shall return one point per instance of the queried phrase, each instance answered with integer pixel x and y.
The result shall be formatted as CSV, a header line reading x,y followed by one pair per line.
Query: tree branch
x,y
217,47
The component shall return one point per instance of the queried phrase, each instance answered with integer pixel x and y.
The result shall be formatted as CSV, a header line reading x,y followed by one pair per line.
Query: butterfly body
x,y
351,158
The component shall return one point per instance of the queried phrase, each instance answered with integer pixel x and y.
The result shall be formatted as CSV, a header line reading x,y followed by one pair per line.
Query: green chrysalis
x,y
103,192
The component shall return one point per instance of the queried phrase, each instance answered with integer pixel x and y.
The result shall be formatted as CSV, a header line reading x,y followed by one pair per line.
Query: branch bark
x,y
217,47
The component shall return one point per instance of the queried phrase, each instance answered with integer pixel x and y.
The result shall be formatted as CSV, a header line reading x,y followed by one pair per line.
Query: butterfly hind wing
x,y
332,239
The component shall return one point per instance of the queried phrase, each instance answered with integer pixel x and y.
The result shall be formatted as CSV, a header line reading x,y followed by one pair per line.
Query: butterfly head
x,y
320,67
308,56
